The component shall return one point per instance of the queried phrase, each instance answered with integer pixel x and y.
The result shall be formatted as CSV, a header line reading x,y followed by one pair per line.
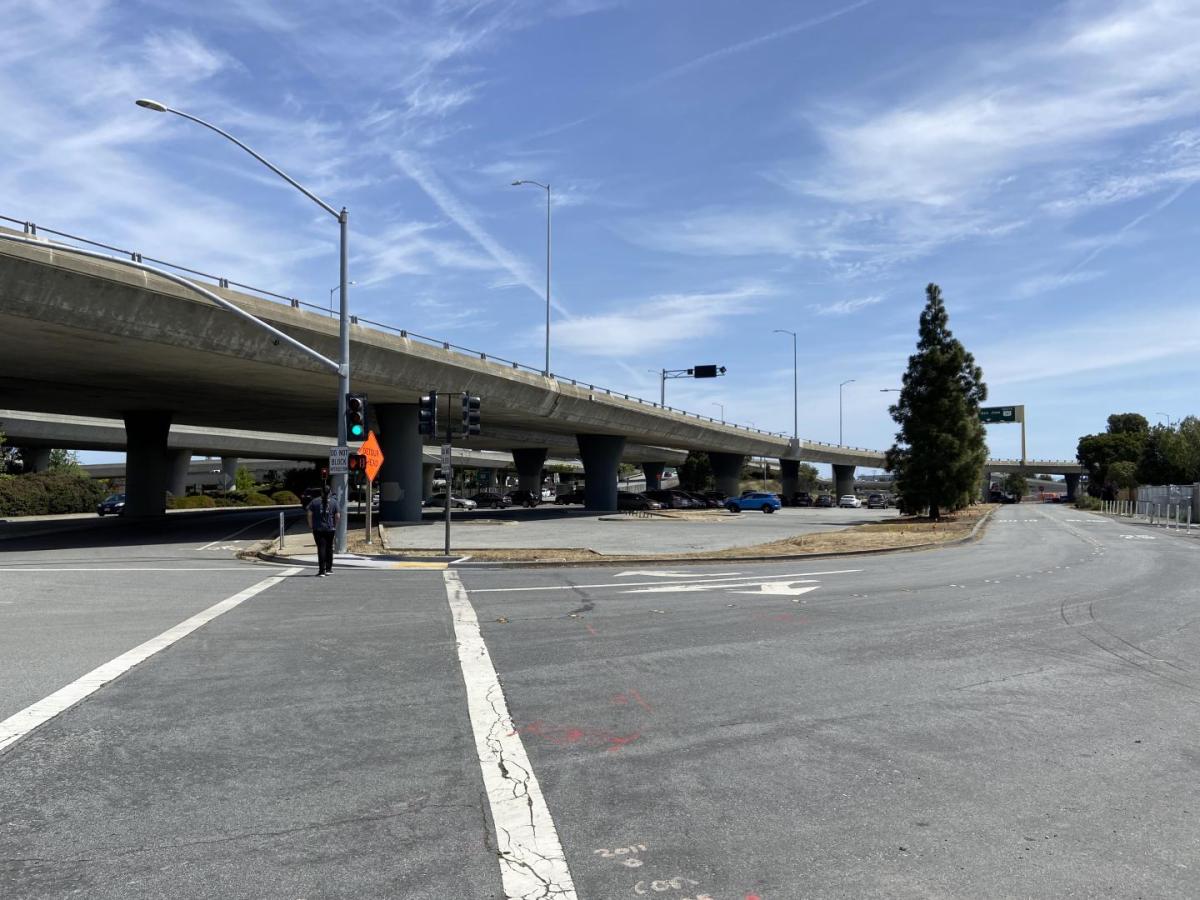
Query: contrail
x,y
701,61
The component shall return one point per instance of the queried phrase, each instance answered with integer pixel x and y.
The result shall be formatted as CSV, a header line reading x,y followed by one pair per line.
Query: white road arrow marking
x,y
779,589
764,587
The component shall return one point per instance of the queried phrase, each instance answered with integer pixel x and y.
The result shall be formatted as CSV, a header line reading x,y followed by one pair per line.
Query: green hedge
x,y
48,494
1083,501
196,501
285,498
253,498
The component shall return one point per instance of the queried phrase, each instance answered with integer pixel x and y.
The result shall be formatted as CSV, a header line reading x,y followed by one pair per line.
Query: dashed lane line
x,y
34,716
532,861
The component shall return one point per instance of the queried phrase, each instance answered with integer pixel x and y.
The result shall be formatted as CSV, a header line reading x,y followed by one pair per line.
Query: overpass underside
x,y
87,337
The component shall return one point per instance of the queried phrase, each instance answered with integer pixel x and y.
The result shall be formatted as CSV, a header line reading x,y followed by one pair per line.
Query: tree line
x,y
1132,452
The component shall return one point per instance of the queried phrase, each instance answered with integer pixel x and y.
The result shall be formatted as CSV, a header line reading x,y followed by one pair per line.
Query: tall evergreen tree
x,y
938,457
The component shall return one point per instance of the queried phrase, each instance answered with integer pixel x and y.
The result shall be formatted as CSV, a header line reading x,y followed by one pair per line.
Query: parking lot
x,y
554,527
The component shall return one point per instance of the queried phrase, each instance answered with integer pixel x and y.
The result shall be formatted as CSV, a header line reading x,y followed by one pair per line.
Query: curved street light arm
x,y
159,107
183,282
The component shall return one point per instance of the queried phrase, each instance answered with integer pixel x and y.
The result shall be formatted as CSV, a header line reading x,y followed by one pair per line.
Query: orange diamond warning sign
x,y
374,453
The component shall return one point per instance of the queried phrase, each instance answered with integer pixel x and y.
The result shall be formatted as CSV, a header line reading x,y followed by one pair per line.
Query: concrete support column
x,y
601,456
35,459
178,463
727,472
653,472
229,467
1073,487
843,480
789,478
146,464
401,477
529,462
428,470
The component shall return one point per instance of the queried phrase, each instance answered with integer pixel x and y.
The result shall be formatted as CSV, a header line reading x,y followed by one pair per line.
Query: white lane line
x,y
715,582
14,569
20,724
230,537
532,862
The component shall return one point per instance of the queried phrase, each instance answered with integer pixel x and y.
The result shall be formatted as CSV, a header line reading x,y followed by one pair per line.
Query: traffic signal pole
x,y
449,476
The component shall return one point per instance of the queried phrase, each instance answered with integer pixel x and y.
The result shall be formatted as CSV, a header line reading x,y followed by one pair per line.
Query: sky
x,y
718,170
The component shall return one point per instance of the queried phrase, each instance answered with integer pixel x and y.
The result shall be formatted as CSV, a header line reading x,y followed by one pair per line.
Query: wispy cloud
x,y
181,56
1036,101
846,307
676,318
1044,284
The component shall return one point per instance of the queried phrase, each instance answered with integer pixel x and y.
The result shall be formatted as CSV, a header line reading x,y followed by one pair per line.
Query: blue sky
x,y
720,170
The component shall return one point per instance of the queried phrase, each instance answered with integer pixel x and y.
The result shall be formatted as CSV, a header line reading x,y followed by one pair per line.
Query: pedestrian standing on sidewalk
x,y
323,518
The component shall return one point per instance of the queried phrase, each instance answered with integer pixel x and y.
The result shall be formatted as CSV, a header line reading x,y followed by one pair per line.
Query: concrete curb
x,y
634,560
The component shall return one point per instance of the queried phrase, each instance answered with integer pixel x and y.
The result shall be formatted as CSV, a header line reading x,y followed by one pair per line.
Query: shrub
x,y
48,494
198,501
285,498
228,501
253,498
1085,501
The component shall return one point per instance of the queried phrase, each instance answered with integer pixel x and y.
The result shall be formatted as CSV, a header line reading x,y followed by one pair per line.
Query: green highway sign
x,y
993,414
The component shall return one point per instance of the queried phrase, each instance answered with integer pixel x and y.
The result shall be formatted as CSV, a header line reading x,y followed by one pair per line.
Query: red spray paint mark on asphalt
x,y
753,897
564,736
592,631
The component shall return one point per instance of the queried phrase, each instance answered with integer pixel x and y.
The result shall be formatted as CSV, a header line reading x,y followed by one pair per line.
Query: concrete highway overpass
x,y
88,337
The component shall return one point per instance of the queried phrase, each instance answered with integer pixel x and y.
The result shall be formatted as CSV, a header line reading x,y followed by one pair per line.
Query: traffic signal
x,y
356,463
470,415
356,417
427,415
707,371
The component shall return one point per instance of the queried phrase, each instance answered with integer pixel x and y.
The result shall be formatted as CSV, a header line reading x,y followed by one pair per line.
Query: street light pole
x,y
795,384
722,406
331,292
343,217
546,188
840,386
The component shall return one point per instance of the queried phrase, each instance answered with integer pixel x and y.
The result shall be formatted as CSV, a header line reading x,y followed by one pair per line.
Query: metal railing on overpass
x,y
35,230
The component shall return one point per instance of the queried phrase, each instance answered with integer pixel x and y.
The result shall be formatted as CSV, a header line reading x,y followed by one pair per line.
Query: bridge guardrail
x,y
34,230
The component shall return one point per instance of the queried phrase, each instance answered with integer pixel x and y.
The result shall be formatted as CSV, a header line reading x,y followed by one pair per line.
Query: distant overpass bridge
x,y
87,337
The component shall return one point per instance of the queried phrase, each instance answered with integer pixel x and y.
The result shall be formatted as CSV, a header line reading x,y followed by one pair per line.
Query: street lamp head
x,y
517,182
151,104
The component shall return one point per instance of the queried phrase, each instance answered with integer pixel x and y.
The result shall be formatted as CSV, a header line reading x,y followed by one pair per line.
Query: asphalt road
x,y
1011,718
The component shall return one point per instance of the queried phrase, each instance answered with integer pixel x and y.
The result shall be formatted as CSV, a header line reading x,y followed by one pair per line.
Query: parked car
x,y
577,496
876,501
704,501
627,500
718,496
824,501
524,498
671,499
768,503
490,500
112,505
802,498
439,500
849,501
